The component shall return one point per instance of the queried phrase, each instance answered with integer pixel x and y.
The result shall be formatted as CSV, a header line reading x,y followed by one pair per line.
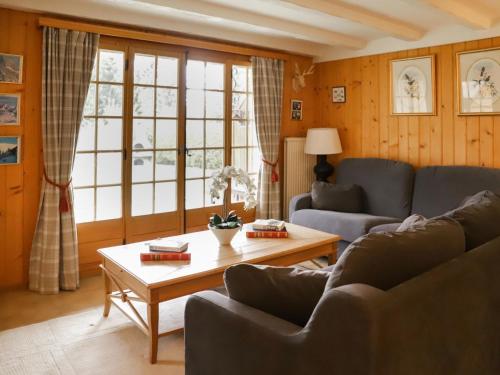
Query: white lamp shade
x,y
322,141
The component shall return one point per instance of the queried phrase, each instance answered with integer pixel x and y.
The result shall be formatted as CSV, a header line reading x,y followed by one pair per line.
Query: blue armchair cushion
x,y
336,197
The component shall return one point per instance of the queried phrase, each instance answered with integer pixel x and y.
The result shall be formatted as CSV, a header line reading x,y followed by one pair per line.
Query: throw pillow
x,y
334,197
411,221
285,292
384,260
479,215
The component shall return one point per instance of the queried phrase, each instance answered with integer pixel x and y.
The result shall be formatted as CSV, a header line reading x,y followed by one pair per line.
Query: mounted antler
x,y
299,79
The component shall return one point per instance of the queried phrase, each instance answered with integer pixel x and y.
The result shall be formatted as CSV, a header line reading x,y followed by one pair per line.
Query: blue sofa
x,y
392,191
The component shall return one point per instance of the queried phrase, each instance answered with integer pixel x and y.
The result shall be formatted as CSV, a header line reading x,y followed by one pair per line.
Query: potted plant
x,y
226,226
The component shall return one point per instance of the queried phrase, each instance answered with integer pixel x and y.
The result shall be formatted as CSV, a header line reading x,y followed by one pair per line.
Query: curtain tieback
x,y
274,173
63,192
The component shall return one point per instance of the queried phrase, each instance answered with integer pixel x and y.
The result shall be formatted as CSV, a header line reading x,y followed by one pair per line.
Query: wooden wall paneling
x,y
435,134
383,95
413,128
472,123
354,115
459,122
446,76
393,121
403,124
424,128
485,143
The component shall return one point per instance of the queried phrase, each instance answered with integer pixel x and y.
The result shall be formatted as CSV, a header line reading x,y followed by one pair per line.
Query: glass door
x,y
156,114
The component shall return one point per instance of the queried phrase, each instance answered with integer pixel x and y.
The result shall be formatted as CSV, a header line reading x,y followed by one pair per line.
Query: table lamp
x,y
322,142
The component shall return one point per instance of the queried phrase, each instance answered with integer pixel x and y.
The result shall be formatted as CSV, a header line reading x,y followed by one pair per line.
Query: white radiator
x,y
298,170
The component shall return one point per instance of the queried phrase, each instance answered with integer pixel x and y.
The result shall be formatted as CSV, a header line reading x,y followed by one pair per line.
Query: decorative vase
x,y
224,236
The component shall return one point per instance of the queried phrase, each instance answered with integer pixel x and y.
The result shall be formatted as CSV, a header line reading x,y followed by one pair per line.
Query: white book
x,y
167,245
271,224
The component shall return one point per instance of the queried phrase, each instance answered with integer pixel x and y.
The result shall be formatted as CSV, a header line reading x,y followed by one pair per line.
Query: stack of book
x,y
268,229
166,249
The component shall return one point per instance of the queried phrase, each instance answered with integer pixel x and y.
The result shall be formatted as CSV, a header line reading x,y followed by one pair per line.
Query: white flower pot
x,y
224,236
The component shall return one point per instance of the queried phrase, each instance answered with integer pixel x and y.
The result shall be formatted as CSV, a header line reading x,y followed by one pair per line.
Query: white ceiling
x,y
325,29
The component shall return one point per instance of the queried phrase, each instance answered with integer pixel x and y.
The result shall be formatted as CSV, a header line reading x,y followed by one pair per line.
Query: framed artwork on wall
x,y
296,109
10,150
413,86
11,68
478,80
10,109
338,94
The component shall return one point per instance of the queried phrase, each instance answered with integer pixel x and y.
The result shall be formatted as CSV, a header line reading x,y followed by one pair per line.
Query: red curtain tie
x,y
63,192
274,173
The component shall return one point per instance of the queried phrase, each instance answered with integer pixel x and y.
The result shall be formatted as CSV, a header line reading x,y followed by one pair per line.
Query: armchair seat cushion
x,y
347,225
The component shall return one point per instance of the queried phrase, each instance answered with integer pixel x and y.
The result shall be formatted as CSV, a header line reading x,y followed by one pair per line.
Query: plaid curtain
x,y
68,59
268,95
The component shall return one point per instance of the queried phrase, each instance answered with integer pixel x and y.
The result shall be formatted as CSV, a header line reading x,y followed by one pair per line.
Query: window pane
x,y
237,192
109,168
89,108
252,135
165,197
167,71
239,133
194,164
194,133
110,100
214,104
144,69
142,166
109,203
251,113
142,134
194,194
111,66
208,199
254,160
166,165
250,80
83,170
239,78
142,199
93,76
86,135
166,133
240,158
166,102
215,133
239,106
214,161
83,200
143,101
195,104
214,76
195,74
109,134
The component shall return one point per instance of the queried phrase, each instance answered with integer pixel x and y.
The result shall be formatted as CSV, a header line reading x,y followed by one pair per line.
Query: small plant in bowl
x,y
231,221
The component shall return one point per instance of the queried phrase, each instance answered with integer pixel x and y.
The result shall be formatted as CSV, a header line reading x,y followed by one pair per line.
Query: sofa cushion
x,y
335,197
441,189
384,260
286,292
392,227
479,216
347,225
387,185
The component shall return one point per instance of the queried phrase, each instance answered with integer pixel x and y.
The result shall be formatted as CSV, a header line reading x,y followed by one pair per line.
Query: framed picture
x,y
9,109
338,94
412,86
11,68
10,150
478,80
296,109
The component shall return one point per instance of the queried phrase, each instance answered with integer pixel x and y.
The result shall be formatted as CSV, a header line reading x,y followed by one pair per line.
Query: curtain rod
x,y
159,38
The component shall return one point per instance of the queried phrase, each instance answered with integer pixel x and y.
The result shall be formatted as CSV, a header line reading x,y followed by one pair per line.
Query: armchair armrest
x,y
299,202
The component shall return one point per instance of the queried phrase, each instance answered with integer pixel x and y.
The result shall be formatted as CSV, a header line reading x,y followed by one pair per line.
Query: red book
x,y
267,234
145,257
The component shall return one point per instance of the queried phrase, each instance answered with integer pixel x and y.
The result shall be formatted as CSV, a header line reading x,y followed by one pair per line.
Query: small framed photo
x,y
478,80
10,150
296,109
11,68
338,94
412,86
9,109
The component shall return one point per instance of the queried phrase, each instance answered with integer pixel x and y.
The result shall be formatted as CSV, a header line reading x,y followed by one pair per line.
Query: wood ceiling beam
x,y
363,16
300,30
470,12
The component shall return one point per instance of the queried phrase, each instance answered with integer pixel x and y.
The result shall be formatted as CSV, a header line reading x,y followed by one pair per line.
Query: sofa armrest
x,y
223,336
299,202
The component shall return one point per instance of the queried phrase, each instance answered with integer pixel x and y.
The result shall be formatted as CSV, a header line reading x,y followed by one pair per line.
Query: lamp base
x,y
323,169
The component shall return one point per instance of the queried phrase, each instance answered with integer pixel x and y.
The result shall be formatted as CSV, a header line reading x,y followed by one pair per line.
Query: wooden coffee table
x,y
154,282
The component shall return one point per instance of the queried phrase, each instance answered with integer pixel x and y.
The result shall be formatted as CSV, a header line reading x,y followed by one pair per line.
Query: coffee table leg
x,y
332,257
153,331
107,292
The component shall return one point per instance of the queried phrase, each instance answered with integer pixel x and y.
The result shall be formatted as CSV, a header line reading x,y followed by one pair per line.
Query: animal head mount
x,y
299,78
